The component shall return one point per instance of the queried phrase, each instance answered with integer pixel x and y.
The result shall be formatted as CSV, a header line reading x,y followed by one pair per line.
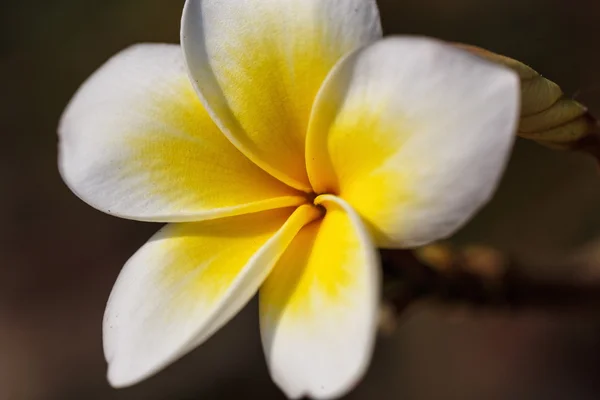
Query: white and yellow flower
x,y
284,141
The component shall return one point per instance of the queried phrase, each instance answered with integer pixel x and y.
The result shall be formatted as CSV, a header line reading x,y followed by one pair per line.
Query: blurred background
x,y
59,257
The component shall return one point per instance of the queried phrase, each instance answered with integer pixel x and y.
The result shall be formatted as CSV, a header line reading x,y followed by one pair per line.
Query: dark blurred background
x,y
59,257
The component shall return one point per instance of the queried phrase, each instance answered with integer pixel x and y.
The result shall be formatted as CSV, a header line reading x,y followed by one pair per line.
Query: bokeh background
x,y
59,258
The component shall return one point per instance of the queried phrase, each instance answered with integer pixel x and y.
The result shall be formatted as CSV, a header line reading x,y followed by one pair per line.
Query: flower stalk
x,y
493,282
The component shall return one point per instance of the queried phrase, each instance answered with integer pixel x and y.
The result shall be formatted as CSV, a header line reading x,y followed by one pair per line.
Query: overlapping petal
x,y
136,142
258,65
414,134
188,281
318,308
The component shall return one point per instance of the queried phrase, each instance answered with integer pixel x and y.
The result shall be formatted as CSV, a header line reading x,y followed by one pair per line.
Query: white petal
x,y
414,134
185,283
258,65
318,307
136,142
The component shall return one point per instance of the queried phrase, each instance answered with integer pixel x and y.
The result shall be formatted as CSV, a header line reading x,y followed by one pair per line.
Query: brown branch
x,y
488,283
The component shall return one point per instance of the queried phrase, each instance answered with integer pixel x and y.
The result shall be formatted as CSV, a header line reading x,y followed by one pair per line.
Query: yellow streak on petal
x,y
367,199
205,258
318,308
318,269
262,64
362,139
190,163
279,81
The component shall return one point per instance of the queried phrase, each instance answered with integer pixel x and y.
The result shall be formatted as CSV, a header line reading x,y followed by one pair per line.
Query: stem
x,y
409,278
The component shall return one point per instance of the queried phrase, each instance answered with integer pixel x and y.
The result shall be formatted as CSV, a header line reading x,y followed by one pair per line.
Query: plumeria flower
x,y
283,142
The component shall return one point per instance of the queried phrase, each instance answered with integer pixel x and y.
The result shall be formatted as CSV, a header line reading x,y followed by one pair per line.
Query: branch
x,y
481,278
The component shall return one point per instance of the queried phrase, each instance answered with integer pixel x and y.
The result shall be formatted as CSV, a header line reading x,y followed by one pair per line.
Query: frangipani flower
x,y
283,142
